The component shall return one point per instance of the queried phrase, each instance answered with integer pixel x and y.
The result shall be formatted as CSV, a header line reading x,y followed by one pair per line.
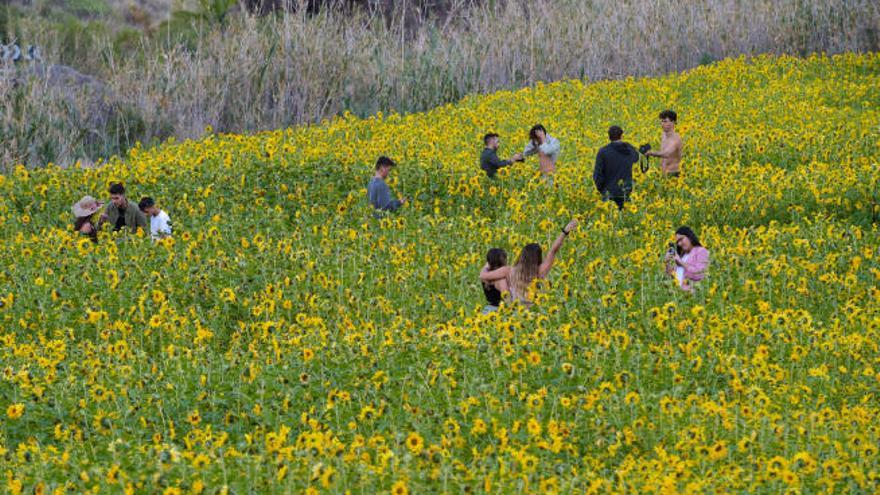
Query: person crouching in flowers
x,y
494,289
546,147
687,261
531,265
83,211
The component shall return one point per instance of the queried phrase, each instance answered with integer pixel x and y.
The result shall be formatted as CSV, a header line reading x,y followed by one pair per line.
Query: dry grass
x,y
259,73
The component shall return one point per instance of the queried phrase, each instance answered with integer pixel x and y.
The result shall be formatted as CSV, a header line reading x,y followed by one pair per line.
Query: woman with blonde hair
x,y
530,265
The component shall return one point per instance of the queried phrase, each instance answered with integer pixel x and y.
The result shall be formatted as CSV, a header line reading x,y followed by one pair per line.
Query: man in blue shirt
x,y
378,191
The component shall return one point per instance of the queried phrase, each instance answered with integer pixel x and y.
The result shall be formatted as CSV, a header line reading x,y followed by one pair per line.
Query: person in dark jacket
x,y
613,172
489,161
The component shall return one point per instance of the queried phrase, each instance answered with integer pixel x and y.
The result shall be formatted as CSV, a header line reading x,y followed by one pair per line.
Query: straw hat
x,y
85,207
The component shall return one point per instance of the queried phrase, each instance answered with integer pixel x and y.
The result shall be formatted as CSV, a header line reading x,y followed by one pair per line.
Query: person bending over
x,y
489,161
670,145
83,211
687,259
377,190
613,171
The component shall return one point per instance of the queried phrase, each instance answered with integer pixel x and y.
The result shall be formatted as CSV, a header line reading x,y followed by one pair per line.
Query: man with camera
x,y
489,161
670,145
613,171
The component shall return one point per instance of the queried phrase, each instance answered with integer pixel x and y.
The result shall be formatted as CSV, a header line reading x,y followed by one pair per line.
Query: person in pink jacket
x,y
687,260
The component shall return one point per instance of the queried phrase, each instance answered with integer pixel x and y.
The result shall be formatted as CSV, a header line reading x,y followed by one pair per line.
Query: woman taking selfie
x,y
687,259
530,265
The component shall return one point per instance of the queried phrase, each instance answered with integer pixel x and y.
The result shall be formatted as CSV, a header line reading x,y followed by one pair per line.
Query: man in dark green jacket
x,y
120,213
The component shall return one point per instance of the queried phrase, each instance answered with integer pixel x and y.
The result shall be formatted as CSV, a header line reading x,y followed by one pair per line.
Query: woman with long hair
x,y
530,265
687,259
494,289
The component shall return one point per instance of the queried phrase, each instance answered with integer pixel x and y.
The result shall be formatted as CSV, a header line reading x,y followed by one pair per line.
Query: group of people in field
x,y
120,214
686,260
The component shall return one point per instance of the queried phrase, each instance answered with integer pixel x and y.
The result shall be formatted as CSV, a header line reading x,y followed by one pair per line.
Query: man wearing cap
x,y
119,213
378,191
613,171
83,210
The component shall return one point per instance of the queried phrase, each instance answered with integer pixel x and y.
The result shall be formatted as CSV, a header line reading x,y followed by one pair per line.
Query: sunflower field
x,y
286,341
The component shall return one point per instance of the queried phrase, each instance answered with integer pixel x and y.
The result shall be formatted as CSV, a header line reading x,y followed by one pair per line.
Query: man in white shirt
x,y
160,223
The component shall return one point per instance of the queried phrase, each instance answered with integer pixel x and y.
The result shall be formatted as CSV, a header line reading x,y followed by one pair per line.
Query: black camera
x,y
672,248
645,160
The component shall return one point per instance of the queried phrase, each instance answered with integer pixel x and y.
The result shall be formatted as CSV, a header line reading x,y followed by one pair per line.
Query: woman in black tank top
x,y
492,289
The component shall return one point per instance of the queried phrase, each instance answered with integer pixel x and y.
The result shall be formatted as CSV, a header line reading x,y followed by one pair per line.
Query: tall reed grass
x,y
251,73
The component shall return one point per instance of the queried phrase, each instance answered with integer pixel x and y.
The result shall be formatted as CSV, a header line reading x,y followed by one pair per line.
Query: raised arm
x,y
530,149
547,264
551,146
487,275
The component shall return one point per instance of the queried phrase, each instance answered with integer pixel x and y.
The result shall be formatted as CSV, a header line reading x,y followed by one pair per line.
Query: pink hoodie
x,y
696,264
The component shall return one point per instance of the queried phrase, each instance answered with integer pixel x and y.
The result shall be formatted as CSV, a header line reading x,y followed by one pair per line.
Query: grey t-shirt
x,y
380,195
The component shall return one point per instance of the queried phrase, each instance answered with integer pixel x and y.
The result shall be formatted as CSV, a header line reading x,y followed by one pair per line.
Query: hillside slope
x,y
284,340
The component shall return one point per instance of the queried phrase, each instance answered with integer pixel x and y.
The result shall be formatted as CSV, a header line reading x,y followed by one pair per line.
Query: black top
x,y
120,220
613,172
493,295
490,162
93,231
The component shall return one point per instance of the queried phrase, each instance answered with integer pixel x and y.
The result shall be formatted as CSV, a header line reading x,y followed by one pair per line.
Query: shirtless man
x,y
670,145
546,147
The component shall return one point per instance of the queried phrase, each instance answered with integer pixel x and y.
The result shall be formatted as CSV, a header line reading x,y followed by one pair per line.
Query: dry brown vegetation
x,y
249,73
